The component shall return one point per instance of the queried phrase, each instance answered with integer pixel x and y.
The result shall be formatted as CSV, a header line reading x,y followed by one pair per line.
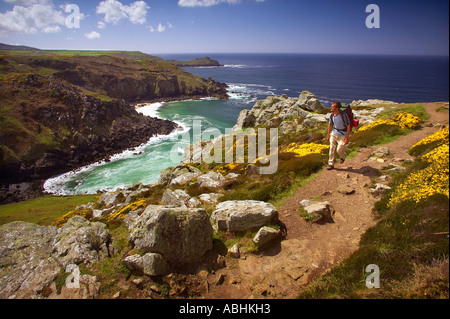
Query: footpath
x,y
311,249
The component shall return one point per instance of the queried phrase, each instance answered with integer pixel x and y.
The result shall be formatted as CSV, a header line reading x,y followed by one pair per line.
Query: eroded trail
x,y
311,249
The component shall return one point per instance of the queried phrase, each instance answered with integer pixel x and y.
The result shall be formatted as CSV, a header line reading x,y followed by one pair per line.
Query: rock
x,y
319,211
265,235
26,264
80,241
180,235
234,251
211,198
379,189
381,152
239,216
175,176
151,264
252,170
211,180
111,199
370,102
134,263
275,110
309,102
177,197
345,189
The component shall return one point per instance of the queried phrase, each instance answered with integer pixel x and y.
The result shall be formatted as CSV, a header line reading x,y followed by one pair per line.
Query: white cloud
x,y
31,19
52,29
115,11
161,27
92,35
101,25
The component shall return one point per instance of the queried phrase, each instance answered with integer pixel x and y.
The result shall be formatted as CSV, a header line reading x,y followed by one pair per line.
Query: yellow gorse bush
x,y
439,154
403,120
440,137
407,120
83,212
430,181
306,149
122,213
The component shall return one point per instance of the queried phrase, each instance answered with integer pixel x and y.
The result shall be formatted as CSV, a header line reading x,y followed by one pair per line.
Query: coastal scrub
x,y
306,149
431,180
403,120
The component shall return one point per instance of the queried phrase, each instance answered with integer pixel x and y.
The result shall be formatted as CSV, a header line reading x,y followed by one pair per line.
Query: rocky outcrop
x,y
80,241
241,216
274,110
180,235
26,262
371,102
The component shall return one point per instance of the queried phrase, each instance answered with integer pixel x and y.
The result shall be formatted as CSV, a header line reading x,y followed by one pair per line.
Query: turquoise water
x,y
255,76
145,163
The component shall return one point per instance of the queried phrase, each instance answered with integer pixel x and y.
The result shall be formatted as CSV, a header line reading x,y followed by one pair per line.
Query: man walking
x,y
338,133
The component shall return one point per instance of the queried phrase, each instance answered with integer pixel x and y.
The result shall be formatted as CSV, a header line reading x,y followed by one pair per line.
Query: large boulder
x,y
26,264
80,241
309,102
241,216
151,264
211,180
175,176
180,235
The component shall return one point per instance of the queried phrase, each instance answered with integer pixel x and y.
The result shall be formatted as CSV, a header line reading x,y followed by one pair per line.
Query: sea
x,y
252,77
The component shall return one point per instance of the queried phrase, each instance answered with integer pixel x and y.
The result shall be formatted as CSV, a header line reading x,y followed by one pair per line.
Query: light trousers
x,y
337,144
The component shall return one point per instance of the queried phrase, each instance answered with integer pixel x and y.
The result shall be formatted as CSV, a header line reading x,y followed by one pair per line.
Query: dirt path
x,y
311,249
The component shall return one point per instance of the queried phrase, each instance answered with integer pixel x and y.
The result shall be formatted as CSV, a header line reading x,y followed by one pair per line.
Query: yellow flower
x,y
306,149
431,180
440,137
403,120
122,213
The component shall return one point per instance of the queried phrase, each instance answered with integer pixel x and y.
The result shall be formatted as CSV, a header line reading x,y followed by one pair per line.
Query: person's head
x,y
336,106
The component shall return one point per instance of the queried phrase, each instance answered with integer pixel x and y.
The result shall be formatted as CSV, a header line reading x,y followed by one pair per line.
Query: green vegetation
x,y
43,210
206,61
68,53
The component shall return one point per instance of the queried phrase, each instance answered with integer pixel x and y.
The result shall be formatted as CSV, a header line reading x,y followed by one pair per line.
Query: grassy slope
x,y
43,210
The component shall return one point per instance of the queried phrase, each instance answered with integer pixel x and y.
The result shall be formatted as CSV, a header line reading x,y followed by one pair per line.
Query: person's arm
x,y
349,129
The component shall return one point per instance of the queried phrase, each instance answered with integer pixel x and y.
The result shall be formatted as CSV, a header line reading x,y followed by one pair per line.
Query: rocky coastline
x,y
82,113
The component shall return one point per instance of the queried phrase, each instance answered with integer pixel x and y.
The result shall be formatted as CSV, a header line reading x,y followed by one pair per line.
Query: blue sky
x,y
212,26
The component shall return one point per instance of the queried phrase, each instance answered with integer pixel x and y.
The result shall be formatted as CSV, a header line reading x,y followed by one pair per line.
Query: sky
x,y
399,27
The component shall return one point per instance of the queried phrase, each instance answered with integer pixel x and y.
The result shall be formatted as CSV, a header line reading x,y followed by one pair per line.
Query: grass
x,y
43,210
404,240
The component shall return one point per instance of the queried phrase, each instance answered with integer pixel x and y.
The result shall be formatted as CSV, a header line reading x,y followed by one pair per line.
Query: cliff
x,y
58,113
48,127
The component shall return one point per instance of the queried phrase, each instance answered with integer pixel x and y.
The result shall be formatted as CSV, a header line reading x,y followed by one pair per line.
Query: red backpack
x,y
348,110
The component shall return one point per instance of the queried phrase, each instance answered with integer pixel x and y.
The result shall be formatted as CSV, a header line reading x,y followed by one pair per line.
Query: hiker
x,y
339,129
